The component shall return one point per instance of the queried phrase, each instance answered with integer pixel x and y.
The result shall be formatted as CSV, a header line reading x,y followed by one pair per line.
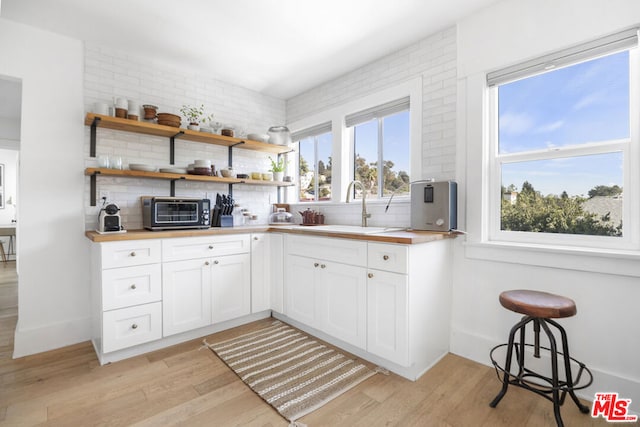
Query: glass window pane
x,y
395,148
572,195
586,102
366,157
306,170
324,167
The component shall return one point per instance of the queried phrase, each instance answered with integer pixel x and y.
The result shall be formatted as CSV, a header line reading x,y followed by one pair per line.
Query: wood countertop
x,y
403,237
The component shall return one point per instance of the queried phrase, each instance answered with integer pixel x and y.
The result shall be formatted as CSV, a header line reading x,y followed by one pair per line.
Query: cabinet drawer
x,y
131,326
339,250
124,287
129,253
388,257
179,249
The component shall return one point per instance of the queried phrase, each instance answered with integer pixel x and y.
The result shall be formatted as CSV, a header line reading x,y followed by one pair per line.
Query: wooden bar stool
x,y
539,308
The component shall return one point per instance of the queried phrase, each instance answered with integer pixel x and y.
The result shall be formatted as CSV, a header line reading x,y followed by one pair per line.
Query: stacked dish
x,y
141,167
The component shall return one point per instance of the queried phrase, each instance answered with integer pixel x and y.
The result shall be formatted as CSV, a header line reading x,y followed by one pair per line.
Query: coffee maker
x,y
109,220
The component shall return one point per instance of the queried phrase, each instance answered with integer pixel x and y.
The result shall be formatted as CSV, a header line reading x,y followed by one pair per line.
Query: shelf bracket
x,y
231,152
172,187
92,146
172,147
94,195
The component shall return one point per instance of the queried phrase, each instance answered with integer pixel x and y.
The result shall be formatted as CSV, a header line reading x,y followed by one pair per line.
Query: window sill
x,y
607,261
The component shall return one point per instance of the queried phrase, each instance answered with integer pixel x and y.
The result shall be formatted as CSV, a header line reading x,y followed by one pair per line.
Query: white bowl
x,y
258,137
202,163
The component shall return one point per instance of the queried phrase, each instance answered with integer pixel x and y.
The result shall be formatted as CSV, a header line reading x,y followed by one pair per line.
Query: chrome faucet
x,y
365,215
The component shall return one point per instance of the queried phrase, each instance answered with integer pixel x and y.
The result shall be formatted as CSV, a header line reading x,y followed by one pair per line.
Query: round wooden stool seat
x,y
538,304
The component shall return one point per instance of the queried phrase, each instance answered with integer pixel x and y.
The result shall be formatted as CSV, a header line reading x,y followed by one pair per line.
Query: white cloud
x,y
515,124
550,127
587,101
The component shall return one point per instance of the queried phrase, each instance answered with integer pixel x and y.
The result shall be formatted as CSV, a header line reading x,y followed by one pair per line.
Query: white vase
x,y
277,176
193,127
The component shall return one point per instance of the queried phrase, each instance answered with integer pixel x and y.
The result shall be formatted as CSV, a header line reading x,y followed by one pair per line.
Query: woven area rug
x,y
289,369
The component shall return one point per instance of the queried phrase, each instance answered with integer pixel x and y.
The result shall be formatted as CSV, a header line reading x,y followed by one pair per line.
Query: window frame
x,y
316,186
631,177
379,154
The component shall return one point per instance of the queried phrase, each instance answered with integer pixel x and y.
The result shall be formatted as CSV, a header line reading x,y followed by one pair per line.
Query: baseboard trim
x,y
477,348
50,337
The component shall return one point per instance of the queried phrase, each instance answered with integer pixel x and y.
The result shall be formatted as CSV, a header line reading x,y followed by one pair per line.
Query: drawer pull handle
x,y
385,257
315,264
370,275
323,266
216,262
132,254
134,326
210,246
206,263
133,286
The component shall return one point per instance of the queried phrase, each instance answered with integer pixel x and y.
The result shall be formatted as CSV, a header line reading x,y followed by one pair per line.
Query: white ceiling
x,y
277,47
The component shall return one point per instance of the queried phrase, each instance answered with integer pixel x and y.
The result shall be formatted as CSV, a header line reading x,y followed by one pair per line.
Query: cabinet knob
x,y
210,246
315,264
322,266
385,257
216,262
134,326
132,254
255,237
206,263
133,286
370,275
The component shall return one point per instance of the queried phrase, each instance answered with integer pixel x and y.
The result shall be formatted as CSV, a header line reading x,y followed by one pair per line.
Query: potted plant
x,y
195,115
277,168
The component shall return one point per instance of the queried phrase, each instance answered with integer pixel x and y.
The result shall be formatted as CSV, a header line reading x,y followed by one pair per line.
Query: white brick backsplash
x,y
434,59
112,73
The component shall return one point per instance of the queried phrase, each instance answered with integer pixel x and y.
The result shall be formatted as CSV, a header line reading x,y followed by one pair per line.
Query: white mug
x,y
134,108
101,108
121,103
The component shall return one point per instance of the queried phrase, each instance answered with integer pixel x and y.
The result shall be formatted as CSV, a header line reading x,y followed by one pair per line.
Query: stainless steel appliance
x,y
165,213
434,205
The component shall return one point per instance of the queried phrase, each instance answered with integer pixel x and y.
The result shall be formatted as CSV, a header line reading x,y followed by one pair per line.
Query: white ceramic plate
x,y
173,170
141,167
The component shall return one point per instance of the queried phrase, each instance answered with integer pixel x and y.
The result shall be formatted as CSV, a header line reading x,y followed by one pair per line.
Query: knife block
x,y
226,221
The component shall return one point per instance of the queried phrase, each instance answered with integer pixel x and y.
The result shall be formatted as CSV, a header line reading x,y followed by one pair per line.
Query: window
x,y
381,142
314,163
564,145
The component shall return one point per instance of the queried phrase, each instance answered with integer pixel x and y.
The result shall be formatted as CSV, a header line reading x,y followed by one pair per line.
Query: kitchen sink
x,y
352,229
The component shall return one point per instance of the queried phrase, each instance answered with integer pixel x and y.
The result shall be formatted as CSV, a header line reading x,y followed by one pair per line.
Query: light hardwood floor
x,y
188,386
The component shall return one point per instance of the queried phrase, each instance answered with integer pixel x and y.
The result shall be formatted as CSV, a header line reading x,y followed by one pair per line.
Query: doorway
x,y
10,119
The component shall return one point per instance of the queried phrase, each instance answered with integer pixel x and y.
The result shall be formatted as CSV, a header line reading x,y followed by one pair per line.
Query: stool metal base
x,y
557,389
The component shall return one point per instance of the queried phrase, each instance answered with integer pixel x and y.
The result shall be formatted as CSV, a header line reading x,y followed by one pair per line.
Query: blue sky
x,y
396,141
587,102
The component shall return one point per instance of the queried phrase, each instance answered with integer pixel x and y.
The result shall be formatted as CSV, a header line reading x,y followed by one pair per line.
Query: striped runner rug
x,y
290,370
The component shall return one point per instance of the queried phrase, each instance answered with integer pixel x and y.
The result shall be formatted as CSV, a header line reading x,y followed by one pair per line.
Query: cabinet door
x,y
299,290
231,287
260,272
342,302
276,261
387,316
186,295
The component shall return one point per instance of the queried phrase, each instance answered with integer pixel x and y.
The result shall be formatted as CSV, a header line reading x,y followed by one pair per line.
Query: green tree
x,y
552,214
605,190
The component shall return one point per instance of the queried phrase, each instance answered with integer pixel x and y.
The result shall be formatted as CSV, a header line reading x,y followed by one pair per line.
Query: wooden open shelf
x,y
176,176
147,128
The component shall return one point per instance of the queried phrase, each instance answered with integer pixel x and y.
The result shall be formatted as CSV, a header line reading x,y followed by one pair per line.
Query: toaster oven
x,y
166,213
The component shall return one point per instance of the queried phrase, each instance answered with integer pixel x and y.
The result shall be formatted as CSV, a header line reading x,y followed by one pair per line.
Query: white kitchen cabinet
x,y
126,294
186,290
260,272
231,287
387,316
324,293
205,280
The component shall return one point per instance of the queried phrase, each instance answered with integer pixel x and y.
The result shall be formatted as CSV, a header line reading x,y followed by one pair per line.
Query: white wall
x,y
431,61
54,264
110,73
604,334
